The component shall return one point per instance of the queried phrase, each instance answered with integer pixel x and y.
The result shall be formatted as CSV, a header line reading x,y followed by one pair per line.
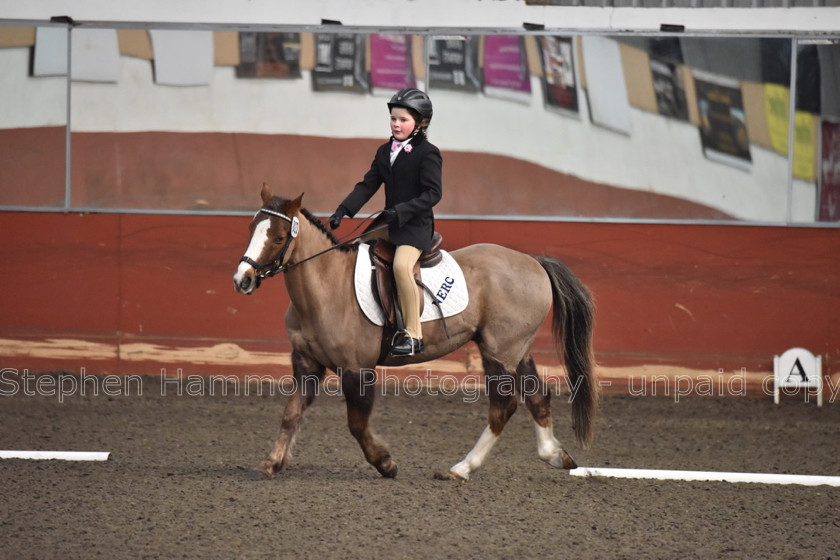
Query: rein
x,y
276,266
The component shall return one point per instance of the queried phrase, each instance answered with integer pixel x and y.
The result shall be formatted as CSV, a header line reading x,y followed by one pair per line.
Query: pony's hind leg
x,y
359,391
500,384
307,377
538,400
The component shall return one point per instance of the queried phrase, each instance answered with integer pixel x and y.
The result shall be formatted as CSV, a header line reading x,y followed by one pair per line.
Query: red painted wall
x,y
158,170
703,297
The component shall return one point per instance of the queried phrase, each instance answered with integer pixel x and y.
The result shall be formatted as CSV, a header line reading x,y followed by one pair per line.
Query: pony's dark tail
x,y
572,324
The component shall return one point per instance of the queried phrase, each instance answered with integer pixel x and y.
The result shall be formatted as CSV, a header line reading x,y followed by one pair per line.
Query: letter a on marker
x,y
797,368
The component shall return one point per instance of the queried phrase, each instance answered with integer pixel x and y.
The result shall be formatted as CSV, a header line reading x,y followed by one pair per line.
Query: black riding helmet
x,y
414,99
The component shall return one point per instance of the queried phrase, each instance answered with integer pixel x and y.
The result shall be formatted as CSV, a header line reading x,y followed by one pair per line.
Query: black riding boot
x,y
408,346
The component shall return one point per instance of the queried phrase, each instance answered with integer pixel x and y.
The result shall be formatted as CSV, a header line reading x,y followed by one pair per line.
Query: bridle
x,y
276,266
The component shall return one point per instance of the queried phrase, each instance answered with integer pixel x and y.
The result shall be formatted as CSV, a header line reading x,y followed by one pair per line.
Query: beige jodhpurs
x,y
407,292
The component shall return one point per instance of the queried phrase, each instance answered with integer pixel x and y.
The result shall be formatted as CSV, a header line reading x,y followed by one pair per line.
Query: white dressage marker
x,y
798,369
764,478
61,455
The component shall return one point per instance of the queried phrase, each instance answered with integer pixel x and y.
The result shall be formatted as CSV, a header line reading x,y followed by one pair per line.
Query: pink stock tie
x,y
395,145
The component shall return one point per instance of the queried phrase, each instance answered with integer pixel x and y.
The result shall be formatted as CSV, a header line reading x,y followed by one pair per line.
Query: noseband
x,y
276,266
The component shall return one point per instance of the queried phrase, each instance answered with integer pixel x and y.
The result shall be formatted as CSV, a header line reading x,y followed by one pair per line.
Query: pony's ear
x,y
293,206
265,193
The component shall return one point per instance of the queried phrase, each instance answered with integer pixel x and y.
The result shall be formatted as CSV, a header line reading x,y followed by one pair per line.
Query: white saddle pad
x,y
445,279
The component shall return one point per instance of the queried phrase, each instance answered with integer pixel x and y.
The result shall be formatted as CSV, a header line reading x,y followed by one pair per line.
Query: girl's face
x,y
402,123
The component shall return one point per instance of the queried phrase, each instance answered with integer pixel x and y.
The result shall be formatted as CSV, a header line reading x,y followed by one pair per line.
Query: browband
x,y
294,221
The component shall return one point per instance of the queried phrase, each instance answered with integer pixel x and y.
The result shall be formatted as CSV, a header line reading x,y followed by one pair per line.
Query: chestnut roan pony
x,y
510,295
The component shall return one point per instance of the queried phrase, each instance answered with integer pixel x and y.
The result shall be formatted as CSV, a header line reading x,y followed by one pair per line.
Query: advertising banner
x,y
669,86
829,171
506,68
559,83
268,55
340,63
453,63
723,125
390,62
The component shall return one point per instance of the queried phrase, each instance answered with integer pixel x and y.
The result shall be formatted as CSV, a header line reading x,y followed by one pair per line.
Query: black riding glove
x,y
389,216
335,219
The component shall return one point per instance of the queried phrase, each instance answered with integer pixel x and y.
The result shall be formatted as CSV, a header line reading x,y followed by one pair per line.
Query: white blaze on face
x,y
255,247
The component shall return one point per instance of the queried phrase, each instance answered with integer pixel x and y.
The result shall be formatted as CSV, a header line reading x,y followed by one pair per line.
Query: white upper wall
x,y
660,155
434,15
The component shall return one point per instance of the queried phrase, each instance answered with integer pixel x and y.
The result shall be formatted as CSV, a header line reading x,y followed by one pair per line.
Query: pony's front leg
x,y
359,391
307,378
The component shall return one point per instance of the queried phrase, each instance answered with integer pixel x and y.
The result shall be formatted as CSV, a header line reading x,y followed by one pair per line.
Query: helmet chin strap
x,y
412,135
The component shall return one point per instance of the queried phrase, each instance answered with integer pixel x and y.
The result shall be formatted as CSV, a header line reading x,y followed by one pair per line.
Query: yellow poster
x,y
776,103
776,107
804,146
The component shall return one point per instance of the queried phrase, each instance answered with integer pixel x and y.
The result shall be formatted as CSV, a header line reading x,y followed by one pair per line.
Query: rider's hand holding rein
x,y
335,219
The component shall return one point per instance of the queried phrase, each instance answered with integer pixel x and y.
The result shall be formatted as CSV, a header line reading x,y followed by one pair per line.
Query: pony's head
x,y
273,231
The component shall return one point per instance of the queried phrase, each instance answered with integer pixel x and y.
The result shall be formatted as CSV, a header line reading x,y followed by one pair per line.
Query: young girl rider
x,y
410,167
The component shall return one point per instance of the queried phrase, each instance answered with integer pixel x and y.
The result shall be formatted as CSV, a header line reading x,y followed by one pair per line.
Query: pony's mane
x,y
323,228
278,204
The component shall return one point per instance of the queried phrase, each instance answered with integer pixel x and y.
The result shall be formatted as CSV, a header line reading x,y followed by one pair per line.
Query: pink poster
x,y
830,172
390,62
506,64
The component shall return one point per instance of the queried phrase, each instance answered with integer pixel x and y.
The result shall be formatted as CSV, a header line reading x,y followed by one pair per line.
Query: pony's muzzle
x,y
246,280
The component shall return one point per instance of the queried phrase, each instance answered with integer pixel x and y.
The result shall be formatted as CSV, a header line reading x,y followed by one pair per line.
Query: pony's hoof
x,y
256,474
449,476
568,462
389,470
263,471
563,461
